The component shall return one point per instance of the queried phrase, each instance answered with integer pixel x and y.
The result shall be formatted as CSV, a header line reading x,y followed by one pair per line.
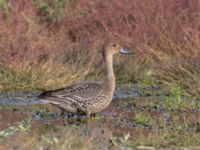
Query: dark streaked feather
x,y
78,91
74,97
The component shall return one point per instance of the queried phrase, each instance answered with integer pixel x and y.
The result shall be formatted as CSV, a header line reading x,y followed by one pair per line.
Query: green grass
x,y
146,79
176,133
51,12
47,75
11,80
167,139
176,100
141,119
61,138
125,140
5,6
20,127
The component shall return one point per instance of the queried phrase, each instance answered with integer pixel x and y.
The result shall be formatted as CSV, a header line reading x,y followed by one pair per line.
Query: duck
x,y
88,97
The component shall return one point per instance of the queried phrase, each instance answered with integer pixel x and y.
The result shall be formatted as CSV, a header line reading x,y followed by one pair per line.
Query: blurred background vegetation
x,y
46,44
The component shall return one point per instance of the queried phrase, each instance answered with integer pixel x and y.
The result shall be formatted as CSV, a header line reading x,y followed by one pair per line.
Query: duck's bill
x,y
126,51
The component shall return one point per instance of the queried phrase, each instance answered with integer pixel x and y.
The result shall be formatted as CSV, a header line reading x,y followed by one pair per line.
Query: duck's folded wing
x,y
74,93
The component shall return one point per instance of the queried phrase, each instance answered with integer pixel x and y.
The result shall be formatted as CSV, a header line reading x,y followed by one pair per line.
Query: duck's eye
x,y
114,45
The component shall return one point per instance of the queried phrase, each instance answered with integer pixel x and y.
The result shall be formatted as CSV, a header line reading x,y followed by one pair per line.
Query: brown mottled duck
x,y
88,97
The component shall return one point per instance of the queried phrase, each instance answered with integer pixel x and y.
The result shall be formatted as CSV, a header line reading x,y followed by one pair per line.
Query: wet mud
x,y
134,116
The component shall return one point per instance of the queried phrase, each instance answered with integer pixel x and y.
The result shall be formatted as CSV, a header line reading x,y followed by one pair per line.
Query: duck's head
x,y
112,48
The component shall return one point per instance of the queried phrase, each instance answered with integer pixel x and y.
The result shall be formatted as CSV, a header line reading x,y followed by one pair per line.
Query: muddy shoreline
x,y
133,114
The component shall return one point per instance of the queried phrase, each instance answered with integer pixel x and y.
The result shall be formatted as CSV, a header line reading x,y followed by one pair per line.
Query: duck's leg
x,y
93,115
88,118
63,116
83,119
86,122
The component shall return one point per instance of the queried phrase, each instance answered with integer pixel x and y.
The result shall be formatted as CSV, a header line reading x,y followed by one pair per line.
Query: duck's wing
x,y
82,90
73,95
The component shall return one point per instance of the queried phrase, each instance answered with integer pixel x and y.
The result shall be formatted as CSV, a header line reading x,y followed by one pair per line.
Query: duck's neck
x,y
110,77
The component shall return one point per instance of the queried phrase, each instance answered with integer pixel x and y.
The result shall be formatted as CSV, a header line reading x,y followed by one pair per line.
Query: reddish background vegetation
x,y
166,35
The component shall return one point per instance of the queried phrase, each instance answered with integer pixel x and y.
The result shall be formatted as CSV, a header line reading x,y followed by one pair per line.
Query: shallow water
x,y
120,118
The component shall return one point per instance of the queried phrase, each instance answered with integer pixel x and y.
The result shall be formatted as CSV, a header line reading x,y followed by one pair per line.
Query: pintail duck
x,y
88,97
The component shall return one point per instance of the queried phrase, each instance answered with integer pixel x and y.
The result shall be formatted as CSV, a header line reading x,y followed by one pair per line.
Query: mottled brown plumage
x,y
87,97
